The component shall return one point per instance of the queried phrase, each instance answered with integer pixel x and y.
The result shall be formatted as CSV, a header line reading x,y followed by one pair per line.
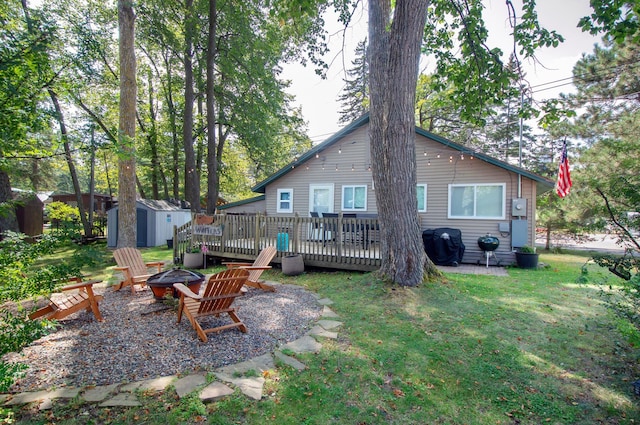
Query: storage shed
x,y
155,221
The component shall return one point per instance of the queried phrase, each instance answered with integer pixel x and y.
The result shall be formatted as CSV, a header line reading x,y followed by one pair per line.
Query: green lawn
x,y
531,348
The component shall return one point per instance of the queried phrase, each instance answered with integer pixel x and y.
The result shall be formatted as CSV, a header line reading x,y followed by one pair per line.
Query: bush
x,y
22,277
625,302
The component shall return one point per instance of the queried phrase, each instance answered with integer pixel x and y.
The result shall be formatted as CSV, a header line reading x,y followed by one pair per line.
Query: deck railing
x,y
341,242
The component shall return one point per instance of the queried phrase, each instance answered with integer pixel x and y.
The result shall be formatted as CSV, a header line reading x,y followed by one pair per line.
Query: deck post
x,y
256,242
296,239
339,237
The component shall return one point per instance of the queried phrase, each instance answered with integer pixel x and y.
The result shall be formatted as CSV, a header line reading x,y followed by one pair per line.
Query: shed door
x,y
141,227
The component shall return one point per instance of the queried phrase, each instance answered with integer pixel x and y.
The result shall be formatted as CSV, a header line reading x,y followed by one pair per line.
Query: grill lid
x,y
176,276
488,243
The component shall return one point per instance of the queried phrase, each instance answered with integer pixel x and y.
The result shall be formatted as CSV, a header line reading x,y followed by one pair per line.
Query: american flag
x,y
564,177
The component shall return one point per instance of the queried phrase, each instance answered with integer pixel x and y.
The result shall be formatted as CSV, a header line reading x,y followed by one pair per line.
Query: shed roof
x,y
543,184
159,205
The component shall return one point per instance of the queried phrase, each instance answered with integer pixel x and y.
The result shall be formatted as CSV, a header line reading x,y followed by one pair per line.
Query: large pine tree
x,y
355,96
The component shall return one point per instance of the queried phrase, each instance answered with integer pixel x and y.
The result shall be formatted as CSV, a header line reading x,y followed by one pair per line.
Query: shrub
x,y
22,277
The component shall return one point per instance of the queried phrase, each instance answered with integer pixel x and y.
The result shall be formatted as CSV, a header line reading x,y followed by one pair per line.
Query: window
x,y
421,189
354,198
321,198
485,201
285,201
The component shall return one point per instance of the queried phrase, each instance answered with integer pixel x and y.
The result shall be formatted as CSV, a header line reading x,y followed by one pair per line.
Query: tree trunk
x,y
212,158
175,145
394,53
127,127
8,219
192,184
86,225
153,141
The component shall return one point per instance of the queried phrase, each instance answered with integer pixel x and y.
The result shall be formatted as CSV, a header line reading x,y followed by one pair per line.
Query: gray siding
x,y
248,208
347,163
439,173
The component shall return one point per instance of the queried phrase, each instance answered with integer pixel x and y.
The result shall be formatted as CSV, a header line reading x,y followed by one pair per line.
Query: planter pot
x,y
292,265
193,260
527,260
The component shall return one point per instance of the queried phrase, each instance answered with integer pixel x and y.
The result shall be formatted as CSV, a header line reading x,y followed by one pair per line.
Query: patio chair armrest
x,y
154,263
185,291
122,269
255,267
231,265
80,285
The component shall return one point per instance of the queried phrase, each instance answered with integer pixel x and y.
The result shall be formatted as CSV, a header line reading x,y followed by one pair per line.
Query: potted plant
x,y
193,258
526,257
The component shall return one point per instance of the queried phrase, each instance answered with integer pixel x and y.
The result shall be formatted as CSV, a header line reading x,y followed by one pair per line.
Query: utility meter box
x,y
519,207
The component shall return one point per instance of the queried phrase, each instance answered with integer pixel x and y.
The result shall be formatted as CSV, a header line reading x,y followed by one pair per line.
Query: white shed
x,y
155,220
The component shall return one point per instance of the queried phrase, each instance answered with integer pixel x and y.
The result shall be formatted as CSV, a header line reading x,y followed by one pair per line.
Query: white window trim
x,y
329,186
278,200
475,217
354,187
425,197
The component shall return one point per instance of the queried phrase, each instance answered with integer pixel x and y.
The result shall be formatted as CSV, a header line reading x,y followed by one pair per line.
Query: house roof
x,y
242,202
543,184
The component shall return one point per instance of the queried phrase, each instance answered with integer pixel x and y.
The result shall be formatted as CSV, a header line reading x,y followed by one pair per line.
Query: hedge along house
x,y
154,222
456,188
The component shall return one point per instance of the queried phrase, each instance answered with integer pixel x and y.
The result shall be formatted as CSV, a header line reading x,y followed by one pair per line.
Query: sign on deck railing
x,y
204,225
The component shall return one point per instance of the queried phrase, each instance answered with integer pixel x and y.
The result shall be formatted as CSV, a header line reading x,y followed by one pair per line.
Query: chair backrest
x,y
132,258
263,259
227,285
265,256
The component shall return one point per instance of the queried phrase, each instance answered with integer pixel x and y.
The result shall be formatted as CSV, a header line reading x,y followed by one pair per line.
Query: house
x,y
155,220
456,188
253,205
101,202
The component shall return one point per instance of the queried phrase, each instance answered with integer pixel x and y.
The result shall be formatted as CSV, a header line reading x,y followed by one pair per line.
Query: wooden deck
x,y
349,243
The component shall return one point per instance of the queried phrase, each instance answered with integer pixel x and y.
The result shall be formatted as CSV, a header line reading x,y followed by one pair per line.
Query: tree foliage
x,y
355,96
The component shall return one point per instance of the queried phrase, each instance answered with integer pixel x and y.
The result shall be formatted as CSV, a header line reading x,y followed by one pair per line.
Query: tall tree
x,y
24,73
395,40
477,75
212,154
355,96
127,127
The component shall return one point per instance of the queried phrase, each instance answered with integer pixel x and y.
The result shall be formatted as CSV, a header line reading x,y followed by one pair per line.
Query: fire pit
x,y
162,283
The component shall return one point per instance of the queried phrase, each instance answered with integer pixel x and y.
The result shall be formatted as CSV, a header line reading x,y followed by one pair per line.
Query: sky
x,y
548,78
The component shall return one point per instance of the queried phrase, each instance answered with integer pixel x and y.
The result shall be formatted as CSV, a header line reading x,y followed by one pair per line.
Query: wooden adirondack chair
x,y
256,268
219,293
135,270
83,298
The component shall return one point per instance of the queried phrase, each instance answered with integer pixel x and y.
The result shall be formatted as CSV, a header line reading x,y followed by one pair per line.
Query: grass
x,y
531,348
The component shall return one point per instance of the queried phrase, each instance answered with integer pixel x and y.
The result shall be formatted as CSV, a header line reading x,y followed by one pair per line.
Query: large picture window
x,y
483,201
354,198
421,190
285,201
